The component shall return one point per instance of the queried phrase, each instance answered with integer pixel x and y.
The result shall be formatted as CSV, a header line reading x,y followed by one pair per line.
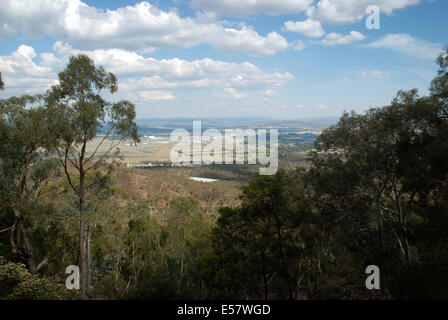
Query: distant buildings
x,y
205,180
158,165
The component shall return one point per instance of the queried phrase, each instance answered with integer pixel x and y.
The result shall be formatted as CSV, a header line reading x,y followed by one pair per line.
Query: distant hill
x,y
159,126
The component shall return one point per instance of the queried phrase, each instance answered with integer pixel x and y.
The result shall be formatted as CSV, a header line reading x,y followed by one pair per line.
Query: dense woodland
x,y
375,193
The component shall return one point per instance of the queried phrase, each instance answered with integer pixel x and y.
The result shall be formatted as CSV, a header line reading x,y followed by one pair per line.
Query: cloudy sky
x,y
285,59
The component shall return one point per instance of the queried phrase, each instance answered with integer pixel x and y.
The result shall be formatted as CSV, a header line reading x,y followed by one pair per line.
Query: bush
x,y
16,283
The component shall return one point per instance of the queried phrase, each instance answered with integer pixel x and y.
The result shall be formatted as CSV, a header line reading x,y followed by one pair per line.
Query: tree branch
x,y
100,144
4,230
41,264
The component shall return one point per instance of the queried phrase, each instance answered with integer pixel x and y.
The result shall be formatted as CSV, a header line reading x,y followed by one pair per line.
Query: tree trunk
x,y
82,227
282,257
82,249
265,280
21,244
89,262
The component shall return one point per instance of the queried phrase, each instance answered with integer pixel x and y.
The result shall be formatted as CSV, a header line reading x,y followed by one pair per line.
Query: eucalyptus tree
x,y
2,84
77,114
439,86
372,169
25,171
265,241
380,178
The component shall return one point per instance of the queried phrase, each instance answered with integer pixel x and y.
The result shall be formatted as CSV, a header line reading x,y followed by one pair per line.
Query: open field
x,y
295,137
147,151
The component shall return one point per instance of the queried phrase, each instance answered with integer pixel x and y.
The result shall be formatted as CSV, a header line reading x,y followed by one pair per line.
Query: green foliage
x,y
77,110
380,181
25,170
376,193
268,241
439,86
16,283
163,251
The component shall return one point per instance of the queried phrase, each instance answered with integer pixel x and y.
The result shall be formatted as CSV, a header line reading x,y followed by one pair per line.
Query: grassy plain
x,y
295,137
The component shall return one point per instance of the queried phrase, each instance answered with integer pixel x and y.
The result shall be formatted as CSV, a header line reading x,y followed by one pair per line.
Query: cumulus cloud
x,y
206,73
351,11
146,79
20,71
142,28
269,93
234,8
151,95
334,39
230,93
247,40
176,73
405,43
310,28
33,18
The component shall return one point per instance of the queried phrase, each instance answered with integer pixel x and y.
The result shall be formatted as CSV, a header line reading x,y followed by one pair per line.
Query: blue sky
x,y
284,59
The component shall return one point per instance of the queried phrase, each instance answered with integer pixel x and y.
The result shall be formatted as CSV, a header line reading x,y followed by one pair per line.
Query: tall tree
x,y
382,177
384,155
2,84
24,171
263,241
78,112
439,86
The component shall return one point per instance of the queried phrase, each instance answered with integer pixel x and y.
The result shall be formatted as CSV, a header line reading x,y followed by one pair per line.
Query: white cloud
x,y
182,74
20,72
334,39
241,8
142,28
247,40
298,45
152,95
269,93
381,74
310,28
33,18
300,107
148,79
374,74
321,107
351,11
230,93
405,43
